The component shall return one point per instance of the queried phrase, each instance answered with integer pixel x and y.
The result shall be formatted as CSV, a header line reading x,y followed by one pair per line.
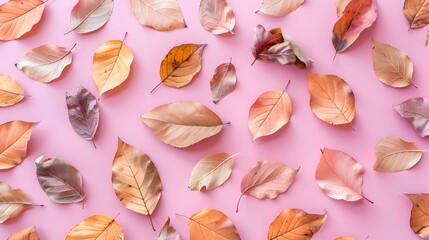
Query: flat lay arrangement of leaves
x,y
181,126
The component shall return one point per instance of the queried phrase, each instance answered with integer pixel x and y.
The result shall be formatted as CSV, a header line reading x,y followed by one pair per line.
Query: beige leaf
x,y
10,92
419,220
97,227
29,233
168,232
13,202
216,16
341,5
223,81
211,224
90,15
417,12
279,8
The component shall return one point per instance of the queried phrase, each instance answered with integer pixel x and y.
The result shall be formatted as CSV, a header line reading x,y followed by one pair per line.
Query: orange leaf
x,y
13,202
168,232
344,238
216,16
96,227
90,15
417,12
341,5
419,220
223,81
29,233
211,224
10,92
279,8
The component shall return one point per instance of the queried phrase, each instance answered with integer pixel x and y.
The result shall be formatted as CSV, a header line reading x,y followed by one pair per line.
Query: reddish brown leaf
x,y
223,81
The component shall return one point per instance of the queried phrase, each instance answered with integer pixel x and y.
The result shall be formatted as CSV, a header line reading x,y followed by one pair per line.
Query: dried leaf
x,y
97,227
279,8
358,15
392,66
211,224
13,202
17,17
161,15
416,111
269,113
427,37
341,5
90,15
419,220
211,172
45,63
136,180
263,41
61,181
10,92
267,179
84,113
417,12
29,233
14,137
295,224
344,238
168,232
331,99
111,65
216,16
182,124
302,61
223,81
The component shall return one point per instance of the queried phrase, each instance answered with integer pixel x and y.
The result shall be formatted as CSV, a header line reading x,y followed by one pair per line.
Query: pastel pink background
x,y
297,144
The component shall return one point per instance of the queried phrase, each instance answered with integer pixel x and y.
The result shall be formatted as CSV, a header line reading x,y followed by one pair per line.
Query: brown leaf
x,y
161,15
211,224
279,8
61,181
84,113
182,124
302,61
419,220
90,15
29,233
10,92
111,65
45,63
263,41
427,37
416,111
267,179
136,180
223,81
168,232
345,238
417,12
14,137
216,16
17,17
96,227
392,66
341,5
295,224
331,99
13,202
211,172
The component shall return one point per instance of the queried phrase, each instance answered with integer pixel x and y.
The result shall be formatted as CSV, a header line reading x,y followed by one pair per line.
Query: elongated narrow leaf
x,y
168,232
29,233
279,8
90,15
211,224
416,111
45,63
417,12
97,227
17,17
13,202
182,124
341,5
10,92
223,81
216,16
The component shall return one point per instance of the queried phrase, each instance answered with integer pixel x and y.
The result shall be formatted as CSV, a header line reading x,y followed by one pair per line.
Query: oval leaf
x,y
161,15
358,16
417,12
10,92
45,63
61,181
279,8
29,233
392,66
17,17
13,142
223,81
135,180
341,5
111,65
419,221
90,15
168,232
97,227
331,99
416,111
295,224
13,202
182,124
211,224
216,16
211,171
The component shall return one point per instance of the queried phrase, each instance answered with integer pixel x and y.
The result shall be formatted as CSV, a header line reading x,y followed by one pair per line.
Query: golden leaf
x,y
211,224
29,233
10,92
279,8
419,220
216,16
417,12
13,202
96,227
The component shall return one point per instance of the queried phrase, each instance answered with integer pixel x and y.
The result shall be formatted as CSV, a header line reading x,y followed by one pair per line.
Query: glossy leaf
x,y
161,15
416,111
18,17
14,137
216,16
96,227
45,63
211,224
295,224
168,232
279,8
417,12
10,92
341,5
136,180
13,202
182,124
223,81
61,181
90,15
29,233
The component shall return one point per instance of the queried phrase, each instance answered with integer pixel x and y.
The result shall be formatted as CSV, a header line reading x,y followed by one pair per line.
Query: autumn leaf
x,y
13,202
45,63
267,179
13,142
331,99
295,224
168,232
96,227
419,220
263,41
61,181
344,238
427,37
10,92
358,15
341,5
161,15
18,17
29,233
216,16
340,176
392,66
90,15
111,65
417,12
223,81
136,180
279,8
182,124
84,113
416,111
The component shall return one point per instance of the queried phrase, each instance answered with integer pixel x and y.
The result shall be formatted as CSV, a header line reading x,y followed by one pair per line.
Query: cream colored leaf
x,y
10,92
90,15
216,16
211,224
97,227
417,12
279,8
419,220
168,232
29,233
13,202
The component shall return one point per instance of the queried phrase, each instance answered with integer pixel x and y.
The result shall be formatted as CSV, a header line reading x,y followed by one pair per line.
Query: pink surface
x,y
297,144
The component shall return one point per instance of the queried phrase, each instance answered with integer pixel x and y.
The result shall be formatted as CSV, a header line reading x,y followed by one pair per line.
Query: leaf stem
x,y
227,123
336,52
156,87
367,199
287,85
93,143
151,222
180,215
253,62
73,47
238,203
123,39
353,127
414,85
235,155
